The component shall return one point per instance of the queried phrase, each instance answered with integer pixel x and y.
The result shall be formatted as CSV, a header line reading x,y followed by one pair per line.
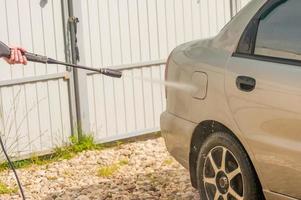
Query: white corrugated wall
x,y
34,116
121,32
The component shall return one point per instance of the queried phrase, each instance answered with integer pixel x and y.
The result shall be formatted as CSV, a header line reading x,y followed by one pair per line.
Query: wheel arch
x,y
201,132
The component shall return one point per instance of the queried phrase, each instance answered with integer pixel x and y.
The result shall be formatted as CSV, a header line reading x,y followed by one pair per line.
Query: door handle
x,y
245,83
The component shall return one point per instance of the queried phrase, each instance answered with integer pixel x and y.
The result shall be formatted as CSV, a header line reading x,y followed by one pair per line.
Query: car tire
x,y
231,176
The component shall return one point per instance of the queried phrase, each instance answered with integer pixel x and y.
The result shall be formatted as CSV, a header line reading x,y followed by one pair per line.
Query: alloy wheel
x,y
222,175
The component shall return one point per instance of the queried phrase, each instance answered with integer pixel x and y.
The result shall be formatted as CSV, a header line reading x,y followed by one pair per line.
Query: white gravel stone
x,y
151,173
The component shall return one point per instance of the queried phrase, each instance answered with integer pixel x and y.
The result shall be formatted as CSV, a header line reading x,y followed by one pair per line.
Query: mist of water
x,y
170,84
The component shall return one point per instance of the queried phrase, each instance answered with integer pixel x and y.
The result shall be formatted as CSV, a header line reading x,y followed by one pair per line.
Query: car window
x,y
279,32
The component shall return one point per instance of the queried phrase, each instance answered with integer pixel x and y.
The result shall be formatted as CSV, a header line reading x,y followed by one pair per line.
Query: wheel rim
x,y
222,176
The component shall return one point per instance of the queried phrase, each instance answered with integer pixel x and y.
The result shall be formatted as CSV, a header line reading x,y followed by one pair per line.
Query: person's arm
x,y
16,56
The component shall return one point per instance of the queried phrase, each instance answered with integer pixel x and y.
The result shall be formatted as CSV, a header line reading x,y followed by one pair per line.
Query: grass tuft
x,y
123,162
61,153
108,171
4,189
168,161
33,160
84,143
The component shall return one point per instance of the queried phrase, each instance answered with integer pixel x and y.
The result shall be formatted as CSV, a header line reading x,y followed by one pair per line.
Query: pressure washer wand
x,y
5,52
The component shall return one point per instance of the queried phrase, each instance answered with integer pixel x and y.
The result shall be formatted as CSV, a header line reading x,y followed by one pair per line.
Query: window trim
x,y
268,59
251,30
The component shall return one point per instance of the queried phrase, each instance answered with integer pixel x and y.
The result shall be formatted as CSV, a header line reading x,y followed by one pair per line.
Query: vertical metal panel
x,y
34,116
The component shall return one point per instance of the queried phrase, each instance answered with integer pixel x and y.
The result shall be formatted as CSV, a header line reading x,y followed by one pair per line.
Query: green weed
x,y
108,171
33,160
123,162
4,189
168,161
76,146
85,142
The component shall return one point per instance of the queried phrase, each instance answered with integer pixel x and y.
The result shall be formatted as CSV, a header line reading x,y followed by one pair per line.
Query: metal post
x,y
68,58
80,76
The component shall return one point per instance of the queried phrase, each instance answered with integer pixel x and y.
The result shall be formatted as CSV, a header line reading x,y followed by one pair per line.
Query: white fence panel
x,y
34,116
124,32
136,35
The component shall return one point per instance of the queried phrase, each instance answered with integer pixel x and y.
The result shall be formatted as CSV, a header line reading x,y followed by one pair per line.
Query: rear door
x,y
263,85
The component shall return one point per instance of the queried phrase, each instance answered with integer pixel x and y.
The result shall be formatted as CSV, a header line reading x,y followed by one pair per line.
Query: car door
x,y
263,87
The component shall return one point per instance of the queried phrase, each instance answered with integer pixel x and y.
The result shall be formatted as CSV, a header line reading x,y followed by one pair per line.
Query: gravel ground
x,y
142,170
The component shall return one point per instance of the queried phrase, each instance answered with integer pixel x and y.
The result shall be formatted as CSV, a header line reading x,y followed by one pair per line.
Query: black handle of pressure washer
x,y
111,72
5,51
36,57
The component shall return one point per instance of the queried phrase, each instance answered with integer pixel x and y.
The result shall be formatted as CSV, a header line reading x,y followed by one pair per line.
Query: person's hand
x,y
16,56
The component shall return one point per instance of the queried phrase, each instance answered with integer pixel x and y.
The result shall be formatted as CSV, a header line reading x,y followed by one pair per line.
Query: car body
x,y
246,83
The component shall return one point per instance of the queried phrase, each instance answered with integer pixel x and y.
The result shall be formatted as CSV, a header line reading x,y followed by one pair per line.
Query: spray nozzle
x,y
111,72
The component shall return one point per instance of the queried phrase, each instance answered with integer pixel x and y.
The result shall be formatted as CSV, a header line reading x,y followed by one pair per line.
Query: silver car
x,y
236,122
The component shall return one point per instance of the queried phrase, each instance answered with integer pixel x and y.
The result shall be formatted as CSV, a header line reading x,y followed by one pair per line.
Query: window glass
x,y
279,33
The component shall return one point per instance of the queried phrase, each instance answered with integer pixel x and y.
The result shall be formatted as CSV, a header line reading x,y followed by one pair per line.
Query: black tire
x,y
235,176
